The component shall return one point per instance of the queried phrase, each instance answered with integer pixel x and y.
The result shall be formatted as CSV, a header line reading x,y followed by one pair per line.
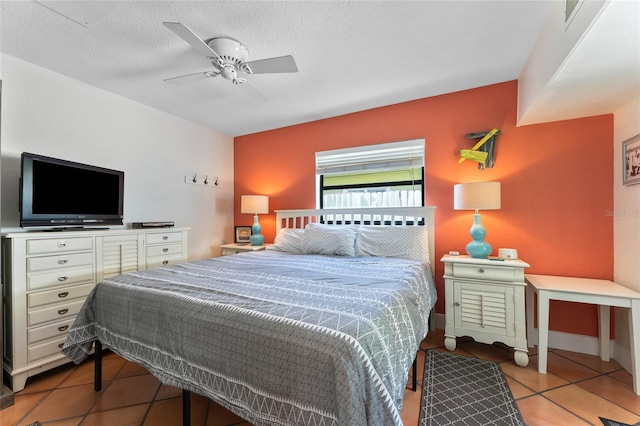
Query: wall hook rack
x,y
483,151
203,179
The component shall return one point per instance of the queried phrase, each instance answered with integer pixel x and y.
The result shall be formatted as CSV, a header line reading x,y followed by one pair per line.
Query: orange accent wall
x,y
557,180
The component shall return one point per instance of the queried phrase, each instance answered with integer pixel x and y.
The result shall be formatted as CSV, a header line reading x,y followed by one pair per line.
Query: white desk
x,y
584,290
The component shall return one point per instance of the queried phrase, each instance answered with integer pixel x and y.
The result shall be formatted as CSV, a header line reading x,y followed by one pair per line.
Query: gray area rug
x,y
460,390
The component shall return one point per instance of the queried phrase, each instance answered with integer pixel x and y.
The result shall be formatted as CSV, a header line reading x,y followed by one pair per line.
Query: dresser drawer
x,y
59,261
53,347
154,262
36,281
483,272
164,250
59,245
163,237
49,331
59,295
62,310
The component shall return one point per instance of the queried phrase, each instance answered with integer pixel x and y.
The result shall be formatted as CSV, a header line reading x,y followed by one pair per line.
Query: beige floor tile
x,y
127,391
166,392
66,422
47,380
84,373
63,403
168,412
22,404
592,361
128,416
589,406
613,390
539,411
132,369
411,407
622,375
518,390
530,377
434,339
568,369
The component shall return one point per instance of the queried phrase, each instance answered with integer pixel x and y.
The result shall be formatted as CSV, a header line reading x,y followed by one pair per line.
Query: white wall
x,y
626,226
46,113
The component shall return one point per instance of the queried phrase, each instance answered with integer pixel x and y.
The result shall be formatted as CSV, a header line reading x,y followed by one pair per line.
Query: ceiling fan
x,y
229,58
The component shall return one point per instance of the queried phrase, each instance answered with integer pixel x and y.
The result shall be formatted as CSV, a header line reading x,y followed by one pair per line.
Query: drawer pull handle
x,y
457,304
62,261
165,262
63,328
62,244
63,278
63,311
63,294
164,250
481,270
60,345
165,237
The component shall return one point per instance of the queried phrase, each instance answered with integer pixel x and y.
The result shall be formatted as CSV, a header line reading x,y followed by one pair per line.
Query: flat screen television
x,y
56,192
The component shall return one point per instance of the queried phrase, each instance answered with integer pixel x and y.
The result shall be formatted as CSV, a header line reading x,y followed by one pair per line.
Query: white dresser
x,y
48,275
484,299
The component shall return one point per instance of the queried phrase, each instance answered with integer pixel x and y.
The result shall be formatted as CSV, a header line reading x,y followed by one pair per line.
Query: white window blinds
x,y
387,156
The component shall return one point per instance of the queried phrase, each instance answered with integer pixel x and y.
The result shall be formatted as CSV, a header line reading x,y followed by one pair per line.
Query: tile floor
x,y
576,391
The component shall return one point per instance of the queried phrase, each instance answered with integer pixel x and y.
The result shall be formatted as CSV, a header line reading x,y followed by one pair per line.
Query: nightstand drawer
x,y
59,261
53,347
59,295
48,331
483,272
165,237
163,250
37,316
59,245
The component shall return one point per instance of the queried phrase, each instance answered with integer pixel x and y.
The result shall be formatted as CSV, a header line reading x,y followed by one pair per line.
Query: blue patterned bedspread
x,y
279,339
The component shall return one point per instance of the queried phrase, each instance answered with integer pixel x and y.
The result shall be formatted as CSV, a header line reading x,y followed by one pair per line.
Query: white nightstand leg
x,y
529,303
634,343
604,314
543,331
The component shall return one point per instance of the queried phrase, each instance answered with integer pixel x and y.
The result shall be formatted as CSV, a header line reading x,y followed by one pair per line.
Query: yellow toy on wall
x,y
483,152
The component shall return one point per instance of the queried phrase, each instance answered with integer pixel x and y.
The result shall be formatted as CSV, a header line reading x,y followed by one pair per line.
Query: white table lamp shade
x,y
476,196
254,204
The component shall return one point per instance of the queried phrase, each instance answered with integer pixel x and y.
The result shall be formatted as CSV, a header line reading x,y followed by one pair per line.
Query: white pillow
x,y
408,242
329,239
288,240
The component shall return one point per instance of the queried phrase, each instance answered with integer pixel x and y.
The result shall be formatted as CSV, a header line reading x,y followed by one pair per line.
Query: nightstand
x,y
234,248
484,299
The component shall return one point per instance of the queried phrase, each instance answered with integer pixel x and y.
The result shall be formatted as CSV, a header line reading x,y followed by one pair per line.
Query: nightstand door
x,y
485,308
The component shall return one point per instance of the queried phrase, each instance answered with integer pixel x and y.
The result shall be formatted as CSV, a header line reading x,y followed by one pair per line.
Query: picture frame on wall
x,y
631,160
243,234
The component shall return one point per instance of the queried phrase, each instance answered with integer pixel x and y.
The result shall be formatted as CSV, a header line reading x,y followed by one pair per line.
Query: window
x,y
384,175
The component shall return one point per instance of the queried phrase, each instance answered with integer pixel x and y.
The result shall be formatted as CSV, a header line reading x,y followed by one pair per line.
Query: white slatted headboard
x,y
415,216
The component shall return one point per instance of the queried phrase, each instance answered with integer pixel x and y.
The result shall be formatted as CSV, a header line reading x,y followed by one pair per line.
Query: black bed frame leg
x,y
186,408
97,367
414,379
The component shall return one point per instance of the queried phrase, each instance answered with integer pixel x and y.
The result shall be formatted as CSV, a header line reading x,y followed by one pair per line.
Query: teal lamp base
x,y
256,238
478,248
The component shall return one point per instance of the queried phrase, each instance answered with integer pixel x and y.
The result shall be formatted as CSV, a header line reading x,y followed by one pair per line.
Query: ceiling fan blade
x,y
280,64
253,93
189,78
190,37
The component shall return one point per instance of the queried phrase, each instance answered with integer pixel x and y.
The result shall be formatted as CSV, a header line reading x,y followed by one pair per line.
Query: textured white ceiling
x,y
351,55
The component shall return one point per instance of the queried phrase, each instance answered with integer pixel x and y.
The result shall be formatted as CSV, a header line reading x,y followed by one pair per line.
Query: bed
x,y
320,329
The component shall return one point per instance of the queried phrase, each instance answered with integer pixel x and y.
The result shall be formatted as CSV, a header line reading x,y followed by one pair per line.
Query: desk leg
x,y
529,302
543,330
634,343
604,314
